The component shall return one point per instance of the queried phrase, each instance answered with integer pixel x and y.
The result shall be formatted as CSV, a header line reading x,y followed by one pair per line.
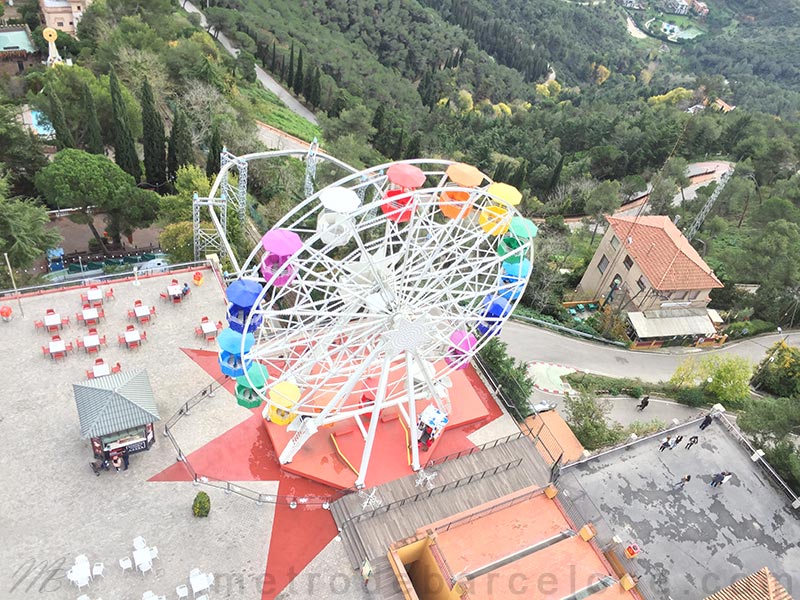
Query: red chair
x,y
79,343
99,361
69,347
121,339
65,321
116,368
174,282
144,336
164,297
97,304
53,328
211,337
38,324
204,320
110,294
219,325
176,299
144,320
45,350
57,355
101,314
89,374
103,340
91,321
137,302
92,331
133,345
84,297
130,328
152,311
198,332
92,349
50,311
56,338
93,286
131,314
79,317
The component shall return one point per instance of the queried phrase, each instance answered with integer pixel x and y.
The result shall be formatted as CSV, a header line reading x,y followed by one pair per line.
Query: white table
x,y
141,311
101,370
141,556
90,314
82,570
94,295
132,336
174,290
91,341
208,327
199,583
58,346
52,320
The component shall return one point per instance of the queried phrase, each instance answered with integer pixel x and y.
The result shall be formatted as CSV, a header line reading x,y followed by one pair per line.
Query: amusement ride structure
x,y
364,301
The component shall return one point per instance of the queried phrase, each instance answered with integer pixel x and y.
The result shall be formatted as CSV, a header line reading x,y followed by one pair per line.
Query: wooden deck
x,y
369,535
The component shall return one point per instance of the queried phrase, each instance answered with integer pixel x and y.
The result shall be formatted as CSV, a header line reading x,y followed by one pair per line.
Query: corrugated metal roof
x,y
761,585
114,403
667,323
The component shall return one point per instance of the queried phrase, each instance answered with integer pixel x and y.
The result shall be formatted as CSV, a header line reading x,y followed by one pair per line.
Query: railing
x,y
767,468
99,279
490,444
567,330
451,485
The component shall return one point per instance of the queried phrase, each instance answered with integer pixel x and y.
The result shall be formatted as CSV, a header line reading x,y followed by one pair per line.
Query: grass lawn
x,y
269,109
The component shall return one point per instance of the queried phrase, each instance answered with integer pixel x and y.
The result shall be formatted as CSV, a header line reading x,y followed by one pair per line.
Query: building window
x,y
628,262
694,295
59,23
642,285
679,295
603,264
614,242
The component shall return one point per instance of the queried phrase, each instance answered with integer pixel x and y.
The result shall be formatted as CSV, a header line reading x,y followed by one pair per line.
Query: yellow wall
x,y
429,582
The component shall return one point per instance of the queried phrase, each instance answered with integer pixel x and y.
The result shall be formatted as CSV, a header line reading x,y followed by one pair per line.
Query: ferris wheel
x,y
370,293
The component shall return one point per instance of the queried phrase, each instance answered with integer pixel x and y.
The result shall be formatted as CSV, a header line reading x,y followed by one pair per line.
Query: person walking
x,y
706,422
692,441
643,404
684,480
664,443
716,481
726,477
675,442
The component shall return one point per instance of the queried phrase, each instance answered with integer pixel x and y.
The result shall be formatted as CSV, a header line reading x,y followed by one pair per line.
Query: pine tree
x,y
93,139
413,149
180,144
290,74
273,63
214,149
297,85
378,121
64,137
124,148
154,140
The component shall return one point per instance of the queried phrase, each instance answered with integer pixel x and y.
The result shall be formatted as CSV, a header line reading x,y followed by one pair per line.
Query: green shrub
x,y
201,505
693,396
636,391
646,428
742,329
510,375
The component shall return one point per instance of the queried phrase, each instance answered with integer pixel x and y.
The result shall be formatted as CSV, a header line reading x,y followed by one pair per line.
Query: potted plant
x,y
201,505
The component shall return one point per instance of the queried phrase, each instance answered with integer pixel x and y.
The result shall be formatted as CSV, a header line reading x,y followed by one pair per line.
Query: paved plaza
x,y
699,539
55,508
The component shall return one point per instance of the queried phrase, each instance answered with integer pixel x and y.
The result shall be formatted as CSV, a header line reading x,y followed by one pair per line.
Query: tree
x,y
154,141
662,195
24,231
92,183
297,83
587,419
124,148
64,137
675,169
725,378
604,199
92,139
316,89
273,60
290,73
177,240
219,19
245,65
214,150
510,375
180,144
189,179
20,152
779,372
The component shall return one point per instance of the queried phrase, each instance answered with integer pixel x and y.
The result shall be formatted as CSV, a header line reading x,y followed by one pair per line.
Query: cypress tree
x,y
153,138
273,63
93,139
414,146
180,144
316,90
297,86
290,74
64,137
308,83
124,148
214,149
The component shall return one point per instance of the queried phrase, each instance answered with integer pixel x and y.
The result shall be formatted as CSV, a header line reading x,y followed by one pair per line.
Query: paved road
x,y
265,80
530,343
279,140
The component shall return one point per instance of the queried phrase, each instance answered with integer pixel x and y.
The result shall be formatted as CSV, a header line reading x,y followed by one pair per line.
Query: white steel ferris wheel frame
x,y
373,316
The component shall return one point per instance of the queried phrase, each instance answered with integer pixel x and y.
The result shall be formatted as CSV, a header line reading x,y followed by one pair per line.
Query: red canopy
x,y
405,175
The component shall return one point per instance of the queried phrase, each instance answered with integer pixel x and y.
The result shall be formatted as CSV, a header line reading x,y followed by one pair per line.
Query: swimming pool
x,y
40,124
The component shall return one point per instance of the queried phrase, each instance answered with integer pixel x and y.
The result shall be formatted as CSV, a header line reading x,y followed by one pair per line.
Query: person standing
x,y
125,457
675,442
706,422
665,443
684,480
717,479
692,441
726,477
643,404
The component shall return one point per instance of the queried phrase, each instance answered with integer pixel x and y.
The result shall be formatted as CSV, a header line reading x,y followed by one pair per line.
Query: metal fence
x,y
490,444
479,514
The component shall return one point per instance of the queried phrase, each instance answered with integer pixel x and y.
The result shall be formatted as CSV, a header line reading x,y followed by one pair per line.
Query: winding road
x,y
529,343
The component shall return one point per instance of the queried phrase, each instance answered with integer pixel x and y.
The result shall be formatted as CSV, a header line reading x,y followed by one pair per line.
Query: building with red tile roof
x,y
761,585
